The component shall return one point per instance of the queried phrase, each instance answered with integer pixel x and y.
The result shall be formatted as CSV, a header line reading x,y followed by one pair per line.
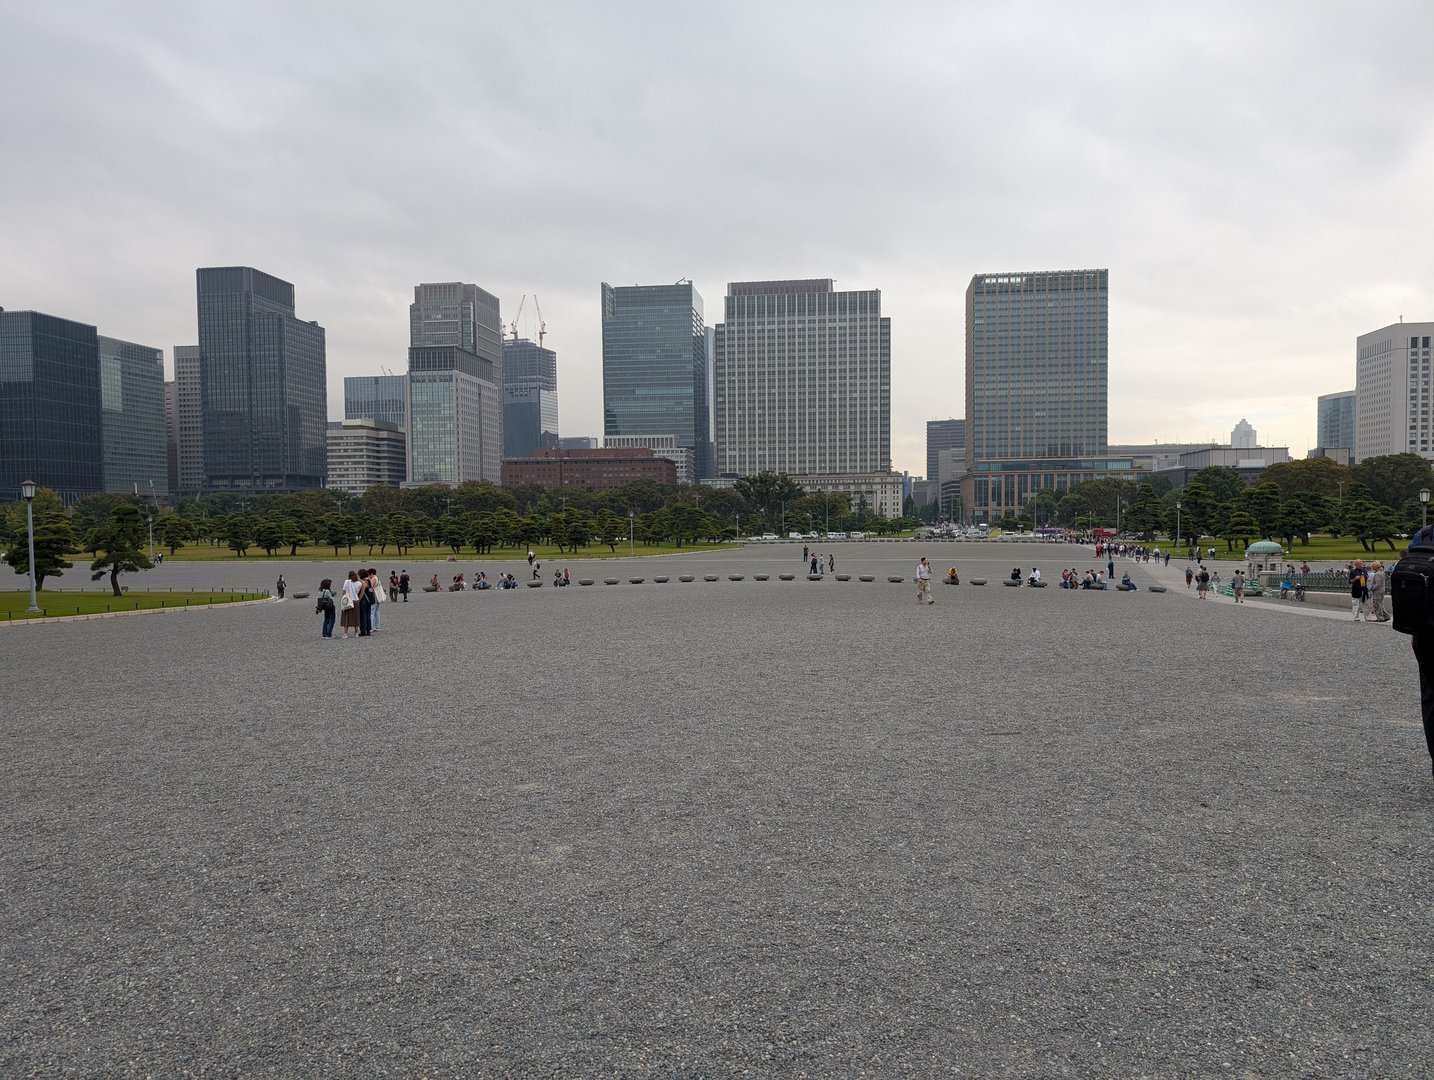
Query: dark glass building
x,y
377,397
50,425
530,398
1036,387
654,366
262,384
943,435
135,458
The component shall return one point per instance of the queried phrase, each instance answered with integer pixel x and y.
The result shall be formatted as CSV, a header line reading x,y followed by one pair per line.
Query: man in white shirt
x,y
923,582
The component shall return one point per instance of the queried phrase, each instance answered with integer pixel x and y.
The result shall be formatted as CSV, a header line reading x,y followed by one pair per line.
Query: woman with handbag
x,y
375,588
348,605
326,606
365,604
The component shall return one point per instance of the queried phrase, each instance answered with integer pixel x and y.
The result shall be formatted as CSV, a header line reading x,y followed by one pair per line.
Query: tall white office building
x,y
802,380
1392,413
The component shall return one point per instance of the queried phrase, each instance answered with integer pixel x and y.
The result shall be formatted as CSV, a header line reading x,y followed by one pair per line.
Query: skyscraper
x,y
189,420
943,435
377,397
1335,421
1036,387
654,366
455,385
50,426
262,384
1243,435
530,398
1392,412
132,418
803,380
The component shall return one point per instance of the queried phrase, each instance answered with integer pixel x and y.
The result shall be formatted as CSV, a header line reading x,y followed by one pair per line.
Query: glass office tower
x,y
530,398
132,417
1036,386
377,397
262,384
455,385
654,366
1335,420
50,426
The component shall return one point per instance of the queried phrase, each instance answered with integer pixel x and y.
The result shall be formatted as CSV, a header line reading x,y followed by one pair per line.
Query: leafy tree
x,y
402,529
609,529
173,532
1145,513
1393,479
1239,525
484,531
1263,504
1320,476
767,491
269,535
1198,510
121,542
237,531
295,532
54,539
93,511
340,530
1223,482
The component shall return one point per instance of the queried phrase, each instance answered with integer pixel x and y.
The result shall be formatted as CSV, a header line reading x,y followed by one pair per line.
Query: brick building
x,y
594,470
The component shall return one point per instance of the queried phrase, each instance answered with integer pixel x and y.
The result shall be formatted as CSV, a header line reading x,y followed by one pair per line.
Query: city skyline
x,y
1223,178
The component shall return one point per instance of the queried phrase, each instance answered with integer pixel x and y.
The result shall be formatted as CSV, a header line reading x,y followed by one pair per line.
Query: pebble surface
x,y
755,829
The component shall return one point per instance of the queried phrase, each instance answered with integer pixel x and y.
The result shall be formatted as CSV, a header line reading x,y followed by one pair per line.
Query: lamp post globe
x,y
27,492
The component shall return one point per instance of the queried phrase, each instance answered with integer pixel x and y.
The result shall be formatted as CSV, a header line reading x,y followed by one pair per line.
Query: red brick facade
x,y
594,470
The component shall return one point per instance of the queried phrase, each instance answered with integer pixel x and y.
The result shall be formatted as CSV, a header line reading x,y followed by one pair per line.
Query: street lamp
x,y
27,492
1177,522
1424,507
631,533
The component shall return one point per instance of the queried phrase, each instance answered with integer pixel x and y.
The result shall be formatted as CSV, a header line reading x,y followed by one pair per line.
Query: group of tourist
x,y
816,565
356,607
1367,586
1138,552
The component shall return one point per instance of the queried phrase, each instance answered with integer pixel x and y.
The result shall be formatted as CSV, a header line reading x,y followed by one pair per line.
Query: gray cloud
x,y
1255,176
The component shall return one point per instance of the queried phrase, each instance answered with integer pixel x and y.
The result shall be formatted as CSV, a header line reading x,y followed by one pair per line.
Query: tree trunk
x,y
114,580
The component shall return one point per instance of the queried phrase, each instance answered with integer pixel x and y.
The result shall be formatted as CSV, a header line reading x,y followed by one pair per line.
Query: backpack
x,y
1411,585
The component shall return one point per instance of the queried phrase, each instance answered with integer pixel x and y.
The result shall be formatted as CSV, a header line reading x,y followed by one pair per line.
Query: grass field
x,y
362,554
95,602
1320,549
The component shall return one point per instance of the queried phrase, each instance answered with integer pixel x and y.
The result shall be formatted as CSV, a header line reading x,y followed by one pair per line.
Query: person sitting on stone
x,y
952,577
1126,585
1016,574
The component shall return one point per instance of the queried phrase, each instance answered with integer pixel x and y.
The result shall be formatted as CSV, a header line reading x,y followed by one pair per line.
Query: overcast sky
x,y
1258,178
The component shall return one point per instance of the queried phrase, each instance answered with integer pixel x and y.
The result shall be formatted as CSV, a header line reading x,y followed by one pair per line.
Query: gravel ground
x,y
718,829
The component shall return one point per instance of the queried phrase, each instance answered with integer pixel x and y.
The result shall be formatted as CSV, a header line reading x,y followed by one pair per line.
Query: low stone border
x,y
843,577
1011,583
709,577
660,580
735,577
535,584
867,577
635,580
978,581
609,581
894,579
787,577
759,577
1156,588
814,577
685,577
585,581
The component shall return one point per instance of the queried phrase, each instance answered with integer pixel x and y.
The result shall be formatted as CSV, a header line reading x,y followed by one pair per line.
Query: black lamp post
x,y
27,492
1424,507
1177,523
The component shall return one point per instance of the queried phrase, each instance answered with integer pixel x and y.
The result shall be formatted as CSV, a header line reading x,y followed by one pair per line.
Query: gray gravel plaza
x,y
730,828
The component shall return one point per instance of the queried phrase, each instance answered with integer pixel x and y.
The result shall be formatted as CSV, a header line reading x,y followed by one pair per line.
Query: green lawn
x,y
1320,549
362,554
93,602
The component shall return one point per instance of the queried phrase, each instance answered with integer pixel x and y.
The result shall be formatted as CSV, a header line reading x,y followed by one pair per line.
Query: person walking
x,y
1202,583
375,585
349,617
365,604
279,588
923,582
1378,583
1358,589
404,584
326,606
1237,585
1189,576
831,563
392,584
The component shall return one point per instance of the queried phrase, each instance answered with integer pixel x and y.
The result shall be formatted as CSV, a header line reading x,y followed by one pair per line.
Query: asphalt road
x,y
718,829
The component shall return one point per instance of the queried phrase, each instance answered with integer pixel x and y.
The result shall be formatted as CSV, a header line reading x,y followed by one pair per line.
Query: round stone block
x,y
978,581
867,577
635,580
759,577
660,580
735,577
787,577
585,581
843,577
709,577
814,577
300,595
895,579
685,577
535,584
1156,588
1011,583
609,581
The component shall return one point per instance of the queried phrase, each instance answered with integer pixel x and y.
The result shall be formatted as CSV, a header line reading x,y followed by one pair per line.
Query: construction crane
x,y
513,326
542,326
